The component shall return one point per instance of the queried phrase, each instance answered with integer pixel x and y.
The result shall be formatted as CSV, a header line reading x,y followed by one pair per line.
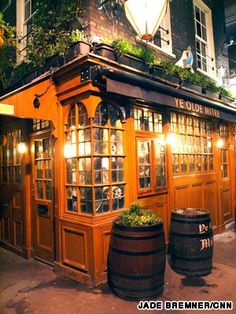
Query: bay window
x,y
95,162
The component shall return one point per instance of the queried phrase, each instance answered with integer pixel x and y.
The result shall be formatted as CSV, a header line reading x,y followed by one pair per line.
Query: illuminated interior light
x,y
69,150
21,147
220,143
171,139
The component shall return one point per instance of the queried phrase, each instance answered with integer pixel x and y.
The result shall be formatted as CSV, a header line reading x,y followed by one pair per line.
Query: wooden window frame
x,y
15,163
208,42
197,131
153,136
113,187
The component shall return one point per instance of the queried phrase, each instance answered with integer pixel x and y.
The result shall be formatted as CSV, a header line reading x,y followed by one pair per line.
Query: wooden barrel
x,y
136,261
191,242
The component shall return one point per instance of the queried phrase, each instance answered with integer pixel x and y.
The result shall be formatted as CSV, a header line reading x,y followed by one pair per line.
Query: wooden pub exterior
x,y
82,142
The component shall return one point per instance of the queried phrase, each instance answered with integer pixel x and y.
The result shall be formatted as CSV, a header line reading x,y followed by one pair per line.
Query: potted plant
x,y
137,57
225,95
137,258
79,46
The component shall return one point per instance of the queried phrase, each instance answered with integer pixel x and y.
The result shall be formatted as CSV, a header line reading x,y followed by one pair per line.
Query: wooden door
x,y
12,196
42,197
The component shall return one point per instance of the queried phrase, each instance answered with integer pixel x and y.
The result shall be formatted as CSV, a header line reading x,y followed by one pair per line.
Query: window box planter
x,y
226,99
172,78
79,48
132,61
53,62
157,71
192,86
105,51
210,93
32,75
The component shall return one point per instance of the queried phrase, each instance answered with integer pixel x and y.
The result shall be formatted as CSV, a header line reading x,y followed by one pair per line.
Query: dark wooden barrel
x,y
136,261
191,242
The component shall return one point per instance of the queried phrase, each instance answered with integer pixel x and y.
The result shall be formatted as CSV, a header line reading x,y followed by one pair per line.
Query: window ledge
x,y
213,77
155,47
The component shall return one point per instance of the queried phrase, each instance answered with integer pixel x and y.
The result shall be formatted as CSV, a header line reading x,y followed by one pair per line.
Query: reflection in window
x,y
192,150
43,168
144,165
96,165
151,165
147,120
224,150
11,157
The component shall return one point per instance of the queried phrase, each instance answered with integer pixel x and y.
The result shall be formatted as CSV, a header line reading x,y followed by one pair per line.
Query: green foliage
x,y
122,47
52,30
138,216
7,52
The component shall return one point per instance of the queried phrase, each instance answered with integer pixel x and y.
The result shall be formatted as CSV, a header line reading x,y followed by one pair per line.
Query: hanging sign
x,y
7,109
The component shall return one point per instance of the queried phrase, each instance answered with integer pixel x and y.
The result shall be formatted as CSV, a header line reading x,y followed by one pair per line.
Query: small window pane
x,y
85,171
86,205
39,185
117,197
71,167
39,171
72,199
48,190
102,196
48,169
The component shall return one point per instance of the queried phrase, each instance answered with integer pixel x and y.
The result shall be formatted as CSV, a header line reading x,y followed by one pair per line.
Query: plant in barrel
x,y
191,241
137,258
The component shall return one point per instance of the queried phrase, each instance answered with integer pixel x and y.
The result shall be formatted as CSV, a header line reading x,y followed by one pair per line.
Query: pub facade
x,y
83,141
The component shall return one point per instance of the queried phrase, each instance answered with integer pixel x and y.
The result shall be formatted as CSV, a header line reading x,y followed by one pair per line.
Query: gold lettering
x,y
177,102
189,105
181,104
205,243
203,228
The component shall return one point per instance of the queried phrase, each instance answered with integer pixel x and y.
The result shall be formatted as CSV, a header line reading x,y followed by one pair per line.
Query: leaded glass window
x,y
94,160
192,149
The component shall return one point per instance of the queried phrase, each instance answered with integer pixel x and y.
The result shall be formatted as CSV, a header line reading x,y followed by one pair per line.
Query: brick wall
x,y
182,26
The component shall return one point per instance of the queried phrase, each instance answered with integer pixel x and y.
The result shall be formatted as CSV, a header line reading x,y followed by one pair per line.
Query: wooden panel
x,y
18,234
44,239
17,199
6,229
74,246
225,203
181,196
196,197
106,236
210,200
156,203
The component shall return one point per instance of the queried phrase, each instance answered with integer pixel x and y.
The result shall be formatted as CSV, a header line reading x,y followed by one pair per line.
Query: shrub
x,y
138,216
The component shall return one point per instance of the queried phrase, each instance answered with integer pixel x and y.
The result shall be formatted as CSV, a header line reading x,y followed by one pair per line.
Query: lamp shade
x,y
145,16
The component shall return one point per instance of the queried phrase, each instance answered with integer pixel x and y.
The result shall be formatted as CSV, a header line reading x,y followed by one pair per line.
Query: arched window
x,y
94,160
108,152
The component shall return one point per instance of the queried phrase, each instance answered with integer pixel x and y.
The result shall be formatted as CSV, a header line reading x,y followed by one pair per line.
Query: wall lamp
x,y
145,16
22,148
